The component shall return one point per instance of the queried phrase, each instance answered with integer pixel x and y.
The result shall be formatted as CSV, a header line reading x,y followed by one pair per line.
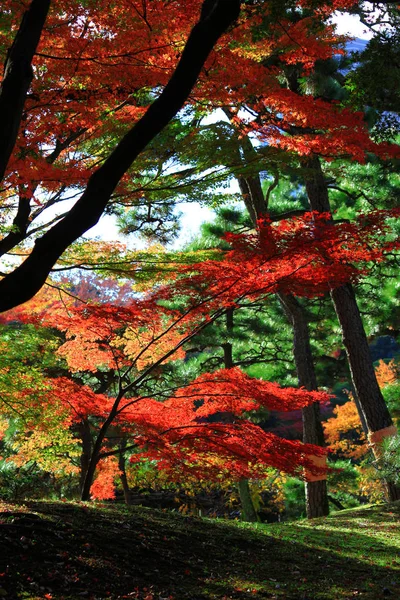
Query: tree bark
x,y
317,504
85,435
27,279
96,451
17,78
249,513
123,477
355,341
370,400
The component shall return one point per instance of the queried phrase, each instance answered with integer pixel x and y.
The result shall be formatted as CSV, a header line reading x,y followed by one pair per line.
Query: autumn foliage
x,y
133,341
344,433
136,341
92,110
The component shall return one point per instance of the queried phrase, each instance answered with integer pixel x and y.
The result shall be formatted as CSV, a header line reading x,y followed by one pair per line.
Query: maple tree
x,y
166,425
137,339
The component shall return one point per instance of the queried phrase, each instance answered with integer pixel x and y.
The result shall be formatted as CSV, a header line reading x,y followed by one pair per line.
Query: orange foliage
x,y
103,487
344,432
386,373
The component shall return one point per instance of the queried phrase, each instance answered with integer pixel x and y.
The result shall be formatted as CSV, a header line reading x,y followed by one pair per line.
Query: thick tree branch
x,y
18,76
28,278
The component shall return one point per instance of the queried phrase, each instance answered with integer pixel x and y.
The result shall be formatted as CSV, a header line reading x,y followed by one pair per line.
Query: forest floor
x,y
69,551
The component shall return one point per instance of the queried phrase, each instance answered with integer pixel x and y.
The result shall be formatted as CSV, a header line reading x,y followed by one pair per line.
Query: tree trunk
x,y
373,406
96,452
88,480
85,435
316,491
124,480
249,513
355,341
18,75
317,504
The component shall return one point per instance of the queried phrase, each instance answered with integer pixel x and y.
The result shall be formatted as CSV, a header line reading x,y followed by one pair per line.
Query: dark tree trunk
x,y
253,197
317,504
124,480
227,346
96,452
27,279
85,435
88,480
249,184
362,370
18,75
375,413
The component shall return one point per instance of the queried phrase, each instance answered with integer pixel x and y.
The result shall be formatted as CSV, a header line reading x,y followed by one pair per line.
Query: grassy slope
x,y
72,551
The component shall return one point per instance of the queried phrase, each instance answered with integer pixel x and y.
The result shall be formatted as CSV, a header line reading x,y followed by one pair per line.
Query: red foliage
x,y
178,434
103,487
79,400
323,128
241,449
96,62
305,256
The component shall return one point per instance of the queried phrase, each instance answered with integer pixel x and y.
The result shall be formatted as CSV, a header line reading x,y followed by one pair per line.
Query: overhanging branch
x,y
23,283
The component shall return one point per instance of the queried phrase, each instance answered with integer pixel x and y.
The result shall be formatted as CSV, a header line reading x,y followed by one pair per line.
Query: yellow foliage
x,y
370,486
50,445
3,426
145,346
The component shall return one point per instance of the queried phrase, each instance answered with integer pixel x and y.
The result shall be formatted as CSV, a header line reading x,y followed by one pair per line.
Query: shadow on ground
x,y
72,551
